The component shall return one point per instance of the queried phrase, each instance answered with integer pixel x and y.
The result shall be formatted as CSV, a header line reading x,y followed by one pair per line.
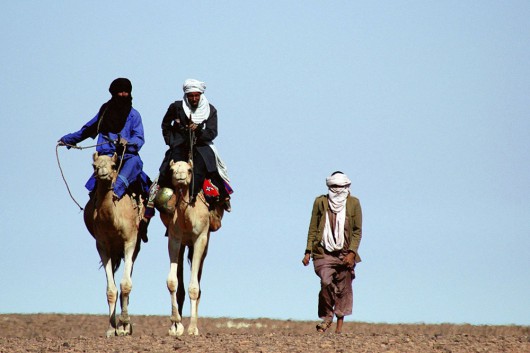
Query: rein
x,y
180,198
190,156
80,148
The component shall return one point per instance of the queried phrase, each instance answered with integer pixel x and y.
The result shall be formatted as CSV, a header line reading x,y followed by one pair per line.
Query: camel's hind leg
x,y
200,249
175,258
124,325
112,292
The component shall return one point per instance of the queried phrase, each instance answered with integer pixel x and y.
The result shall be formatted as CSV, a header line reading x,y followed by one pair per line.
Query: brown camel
x,y
114,224
188,226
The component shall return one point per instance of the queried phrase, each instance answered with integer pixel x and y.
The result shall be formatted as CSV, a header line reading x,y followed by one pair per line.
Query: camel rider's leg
x,y
130,169
163,180
224,196
142,229
164,176
199,174
176,155
91,185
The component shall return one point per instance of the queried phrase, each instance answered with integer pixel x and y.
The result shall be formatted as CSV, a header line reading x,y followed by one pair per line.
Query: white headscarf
x,y
202,112
338,192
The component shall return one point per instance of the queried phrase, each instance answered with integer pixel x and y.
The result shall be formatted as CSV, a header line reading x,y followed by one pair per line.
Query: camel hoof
x,y
176,329
193,331
125,330
111,332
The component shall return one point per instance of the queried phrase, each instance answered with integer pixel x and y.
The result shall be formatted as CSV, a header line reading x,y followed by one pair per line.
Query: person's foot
x,y
226,205
340,321
323,326
149,212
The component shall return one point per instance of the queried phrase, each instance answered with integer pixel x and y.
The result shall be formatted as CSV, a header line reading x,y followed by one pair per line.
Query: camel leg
x,y
124,326
112,292
194,289
176,328
181,290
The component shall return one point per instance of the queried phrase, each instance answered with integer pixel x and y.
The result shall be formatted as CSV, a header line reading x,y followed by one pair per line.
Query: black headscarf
x,y
113,114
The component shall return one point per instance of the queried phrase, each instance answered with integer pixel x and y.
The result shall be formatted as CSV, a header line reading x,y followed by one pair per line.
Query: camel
x,y
114,225
188,226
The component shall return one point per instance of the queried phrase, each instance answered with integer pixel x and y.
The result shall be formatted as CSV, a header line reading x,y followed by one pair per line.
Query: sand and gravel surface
x,y
86,333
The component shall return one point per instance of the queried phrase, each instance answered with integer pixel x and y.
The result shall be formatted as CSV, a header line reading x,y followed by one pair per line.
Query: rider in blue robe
x,y
118,127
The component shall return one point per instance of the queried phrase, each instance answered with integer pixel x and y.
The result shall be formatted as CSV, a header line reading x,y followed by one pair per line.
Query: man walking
x,y
333,239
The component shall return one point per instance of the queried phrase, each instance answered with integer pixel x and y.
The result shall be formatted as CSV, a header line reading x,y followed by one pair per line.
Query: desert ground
x,y
86,333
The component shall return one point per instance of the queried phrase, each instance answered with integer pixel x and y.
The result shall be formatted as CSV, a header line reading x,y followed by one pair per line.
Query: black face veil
x,y
113,114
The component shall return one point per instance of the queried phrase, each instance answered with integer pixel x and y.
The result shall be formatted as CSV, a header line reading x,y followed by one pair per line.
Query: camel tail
x,y
115,264
190,255
116,261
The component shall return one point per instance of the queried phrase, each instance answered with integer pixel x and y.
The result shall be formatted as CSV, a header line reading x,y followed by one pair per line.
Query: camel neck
x,y
183,199
104,192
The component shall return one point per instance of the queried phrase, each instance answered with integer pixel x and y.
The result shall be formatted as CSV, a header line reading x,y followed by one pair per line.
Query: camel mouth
x,y
179,182
105,176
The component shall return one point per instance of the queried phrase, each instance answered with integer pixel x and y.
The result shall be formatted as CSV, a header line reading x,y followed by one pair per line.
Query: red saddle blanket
x,y
210,190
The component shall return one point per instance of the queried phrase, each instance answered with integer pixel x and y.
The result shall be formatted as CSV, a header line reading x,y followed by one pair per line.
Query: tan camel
x,y
114,225
188,226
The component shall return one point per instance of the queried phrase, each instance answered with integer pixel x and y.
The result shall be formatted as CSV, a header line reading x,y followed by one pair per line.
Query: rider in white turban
x,y
189,128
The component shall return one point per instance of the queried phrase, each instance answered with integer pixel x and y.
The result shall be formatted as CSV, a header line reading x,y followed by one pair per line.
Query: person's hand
x,y
193,126
62,142
122,142
349,260
305,260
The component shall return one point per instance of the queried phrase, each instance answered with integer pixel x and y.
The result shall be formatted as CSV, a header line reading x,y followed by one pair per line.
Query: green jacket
x,y
318,219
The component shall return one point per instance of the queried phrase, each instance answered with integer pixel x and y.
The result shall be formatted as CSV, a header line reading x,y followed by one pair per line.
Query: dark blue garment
x,y
130,172
131,166
133,132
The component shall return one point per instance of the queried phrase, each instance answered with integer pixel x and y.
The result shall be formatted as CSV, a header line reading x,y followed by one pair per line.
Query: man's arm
x,y
167,123
357,227
312,232
88,130
209,133
136,139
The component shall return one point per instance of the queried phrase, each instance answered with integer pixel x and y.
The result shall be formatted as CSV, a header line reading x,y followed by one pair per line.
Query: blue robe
x,y
131,168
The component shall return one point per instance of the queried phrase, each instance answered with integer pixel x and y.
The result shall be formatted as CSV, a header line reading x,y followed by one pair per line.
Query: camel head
x,y
105,167
182,173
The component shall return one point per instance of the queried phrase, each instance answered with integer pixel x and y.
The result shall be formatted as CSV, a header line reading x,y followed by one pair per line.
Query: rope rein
x,y
86,147
81,148
190,156
62,174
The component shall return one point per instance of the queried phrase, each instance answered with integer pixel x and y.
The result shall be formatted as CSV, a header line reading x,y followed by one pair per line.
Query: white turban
x,y
338,191
192,85
338,179
202,112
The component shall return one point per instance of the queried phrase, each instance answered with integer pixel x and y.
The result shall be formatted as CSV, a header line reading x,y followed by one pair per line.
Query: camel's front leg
x,y
124,323
176,328
199,253
112,292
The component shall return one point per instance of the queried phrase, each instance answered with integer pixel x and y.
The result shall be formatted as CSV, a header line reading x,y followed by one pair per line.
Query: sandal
x,y
323,326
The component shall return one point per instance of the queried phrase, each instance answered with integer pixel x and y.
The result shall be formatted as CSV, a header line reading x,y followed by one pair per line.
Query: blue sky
x,y
423,104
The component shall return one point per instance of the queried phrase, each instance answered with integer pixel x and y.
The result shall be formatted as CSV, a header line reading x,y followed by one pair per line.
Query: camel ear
x,y
191,163
115,157
95,156
171,162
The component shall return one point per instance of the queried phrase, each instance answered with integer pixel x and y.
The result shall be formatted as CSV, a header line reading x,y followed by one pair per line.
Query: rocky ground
x,y
86,333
